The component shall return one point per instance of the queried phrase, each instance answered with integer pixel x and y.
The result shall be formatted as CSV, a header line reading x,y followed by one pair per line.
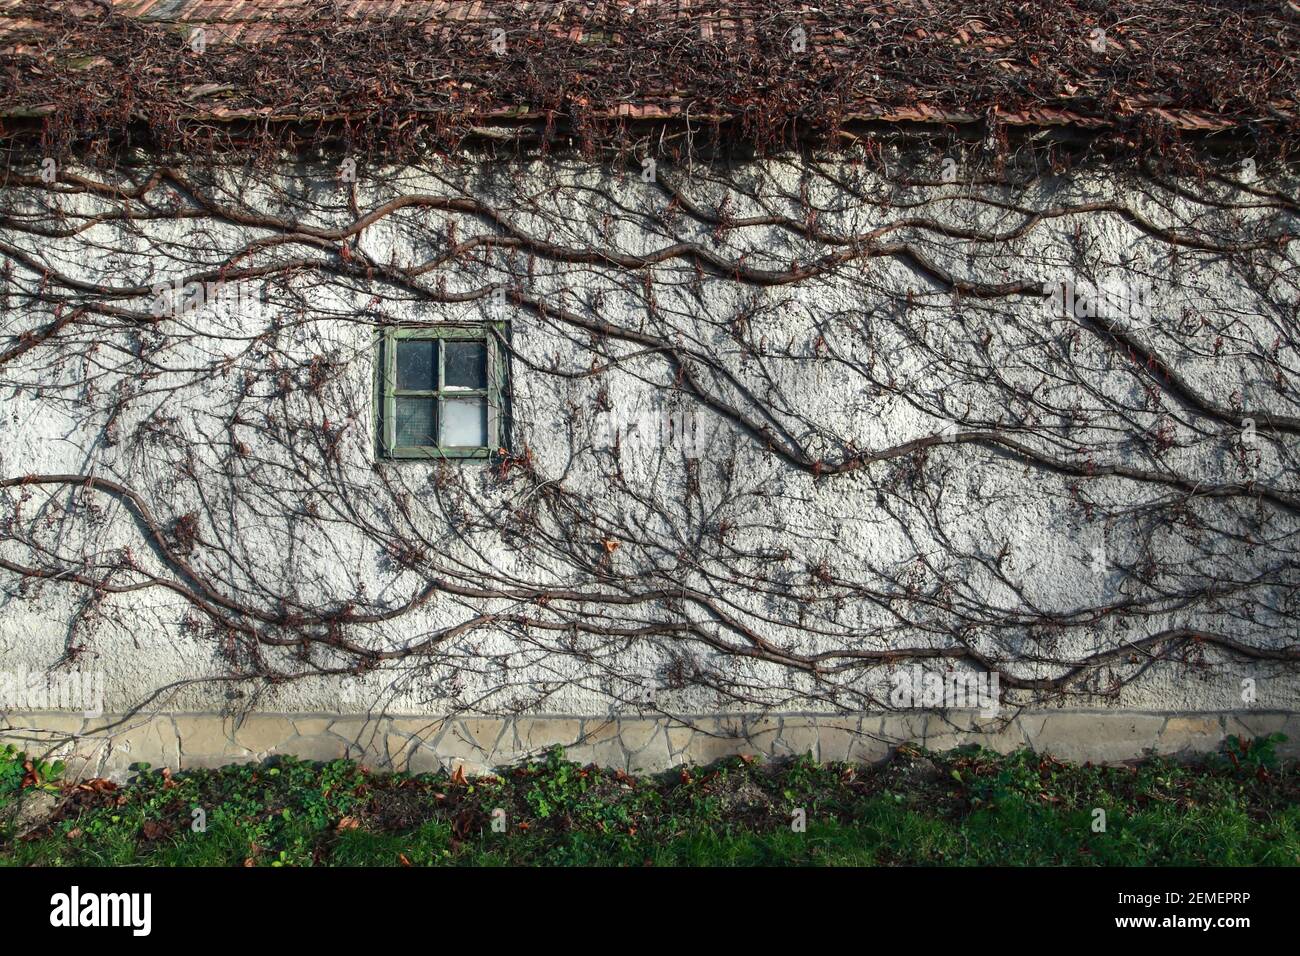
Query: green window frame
x,y
444,407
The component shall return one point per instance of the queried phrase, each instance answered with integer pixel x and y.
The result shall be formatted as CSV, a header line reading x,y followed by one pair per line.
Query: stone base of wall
x,y
108,746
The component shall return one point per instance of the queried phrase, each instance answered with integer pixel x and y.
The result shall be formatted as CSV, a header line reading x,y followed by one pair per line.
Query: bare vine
x,y
913,450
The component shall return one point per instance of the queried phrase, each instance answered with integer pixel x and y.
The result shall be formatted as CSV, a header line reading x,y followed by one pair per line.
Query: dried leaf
x,y
153,830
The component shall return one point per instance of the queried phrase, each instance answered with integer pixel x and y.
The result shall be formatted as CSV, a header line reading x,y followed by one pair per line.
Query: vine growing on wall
x,y
883,383
978,402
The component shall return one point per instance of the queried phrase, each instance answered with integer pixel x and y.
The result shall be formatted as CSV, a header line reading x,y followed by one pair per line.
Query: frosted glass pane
x,y
414,421
465,365
464,422
417,364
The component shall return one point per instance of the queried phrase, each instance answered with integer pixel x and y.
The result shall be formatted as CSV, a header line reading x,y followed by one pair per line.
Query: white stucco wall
x,y
868,352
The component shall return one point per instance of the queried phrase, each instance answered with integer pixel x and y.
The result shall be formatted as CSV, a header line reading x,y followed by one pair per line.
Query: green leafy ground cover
x,y
963,807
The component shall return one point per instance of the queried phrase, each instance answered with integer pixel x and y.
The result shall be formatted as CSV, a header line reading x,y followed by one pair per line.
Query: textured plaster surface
x,y
141,643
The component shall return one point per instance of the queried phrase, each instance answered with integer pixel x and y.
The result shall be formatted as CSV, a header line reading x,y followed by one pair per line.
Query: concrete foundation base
x,y
110,746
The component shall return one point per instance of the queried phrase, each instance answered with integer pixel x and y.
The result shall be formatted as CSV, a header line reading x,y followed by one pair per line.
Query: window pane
x,y
417,363
465,364
414,421
464,422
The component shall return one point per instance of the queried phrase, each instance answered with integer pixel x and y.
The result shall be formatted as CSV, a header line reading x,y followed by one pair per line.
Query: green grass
x,y
966,807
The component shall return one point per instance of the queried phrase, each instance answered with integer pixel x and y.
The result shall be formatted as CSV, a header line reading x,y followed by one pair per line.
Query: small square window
x,y
442,392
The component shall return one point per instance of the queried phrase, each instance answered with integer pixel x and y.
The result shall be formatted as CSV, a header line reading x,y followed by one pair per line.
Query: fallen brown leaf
x,y
153,830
